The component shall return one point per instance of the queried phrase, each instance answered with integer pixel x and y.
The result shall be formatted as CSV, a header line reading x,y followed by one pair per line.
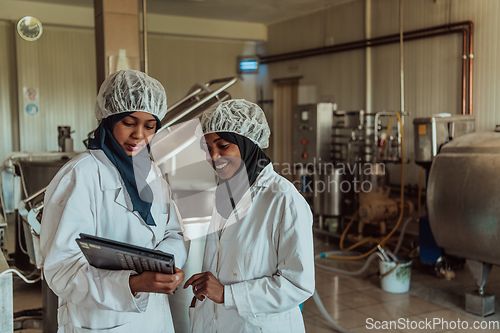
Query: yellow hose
x,y
382,242
364,240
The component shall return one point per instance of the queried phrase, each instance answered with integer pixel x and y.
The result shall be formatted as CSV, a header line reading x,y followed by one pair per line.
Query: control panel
x,y
312,129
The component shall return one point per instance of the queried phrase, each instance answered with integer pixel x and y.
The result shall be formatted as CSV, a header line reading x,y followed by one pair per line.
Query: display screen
x,y
248,64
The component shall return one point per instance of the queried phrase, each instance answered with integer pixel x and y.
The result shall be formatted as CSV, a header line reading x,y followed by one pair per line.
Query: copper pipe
x,y
355,44
464,72
411,35
471,57
349,47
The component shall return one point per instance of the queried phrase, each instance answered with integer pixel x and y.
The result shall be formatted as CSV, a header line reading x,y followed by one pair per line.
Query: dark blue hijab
x,y
130,169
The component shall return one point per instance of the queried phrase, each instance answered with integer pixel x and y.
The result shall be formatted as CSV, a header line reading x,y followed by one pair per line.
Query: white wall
x,y
180,62
339,74
61,64
432,66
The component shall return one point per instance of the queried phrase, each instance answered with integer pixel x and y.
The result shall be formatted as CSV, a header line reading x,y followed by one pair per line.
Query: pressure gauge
x,y
29,28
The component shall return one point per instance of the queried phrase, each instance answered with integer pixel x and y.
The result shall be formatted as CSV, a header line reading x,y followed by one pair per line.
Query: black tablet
x,y
109,254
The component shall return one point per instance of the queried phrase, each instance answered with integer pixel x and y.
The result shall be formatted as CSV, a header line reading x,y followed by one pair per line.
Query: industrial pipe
x,y
464,70
145,35
471,57
389,39
401,62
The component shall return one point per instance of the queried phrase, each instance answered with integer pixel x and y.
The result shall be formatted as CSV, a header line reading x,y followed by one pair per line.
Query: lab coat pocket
x,y
272,322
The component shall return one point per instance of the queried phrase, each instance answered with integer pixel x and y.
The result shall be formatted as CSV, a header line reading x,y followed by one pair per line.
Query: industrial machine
x,y
463,208
430,134
341,155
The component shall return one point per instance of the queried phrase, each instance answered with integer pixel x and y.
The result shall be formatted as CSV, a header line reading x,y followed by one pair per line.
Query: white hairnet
x,y
238,116
130,90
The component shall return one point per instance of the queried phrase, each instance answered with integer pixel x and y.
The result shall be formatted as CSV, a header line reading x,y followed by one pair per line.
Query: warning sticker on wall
x,y
30,94
30,100
31,109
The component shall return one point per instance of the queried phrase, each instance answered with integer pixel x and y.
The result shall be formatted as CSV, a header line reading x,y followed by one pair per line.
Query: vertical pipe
x,y
401,63
368,55
464,72
402,75
471,57
145,36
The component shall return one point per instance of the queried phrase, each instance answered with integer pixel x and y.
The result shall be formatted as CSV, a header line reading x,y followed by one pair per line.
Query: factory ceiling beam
x,y
116,36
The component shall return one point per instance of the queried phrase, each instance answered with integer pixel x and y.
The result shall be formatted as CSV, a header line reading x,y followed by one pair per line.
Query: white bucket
x,y
396,281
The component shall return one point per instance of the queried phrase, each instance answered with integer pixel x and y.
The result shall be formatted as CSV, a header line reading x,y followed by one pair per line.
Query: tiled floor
x,y
352,301
356,303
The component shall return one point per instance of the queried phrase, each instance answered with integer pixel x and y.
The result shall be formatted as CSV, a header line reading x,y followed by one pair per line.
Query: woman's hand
x,y
153,282
206,285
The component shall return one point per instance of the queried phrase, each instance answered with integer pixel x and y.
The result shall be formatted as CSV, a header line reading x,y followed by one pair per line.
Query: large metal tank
x,y
463,197
333,191
38,173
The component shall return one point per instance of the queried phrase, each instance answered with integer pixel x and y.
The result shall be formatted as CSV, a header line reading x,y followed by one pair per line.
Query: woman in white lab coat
x,y
113,190
258,265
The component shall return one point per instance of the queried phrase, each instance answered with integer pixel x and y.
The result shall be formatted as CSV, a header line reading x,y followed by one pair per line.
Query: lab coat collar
x,y
109,177
265,177
245,203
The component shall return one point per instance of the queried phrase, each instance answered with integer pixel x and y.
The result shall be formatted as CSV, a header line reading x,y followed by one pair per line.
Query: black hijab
x,y
133,171
230,191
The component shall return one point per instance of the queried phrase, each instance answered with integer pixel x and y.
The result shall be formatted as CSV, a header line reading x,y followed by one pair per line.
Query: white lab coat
x,y
88,196
264,259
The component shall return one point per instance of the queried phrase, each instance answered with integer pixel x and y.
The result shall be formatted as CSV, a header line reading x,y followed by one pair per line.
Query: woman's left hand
x,y
206,285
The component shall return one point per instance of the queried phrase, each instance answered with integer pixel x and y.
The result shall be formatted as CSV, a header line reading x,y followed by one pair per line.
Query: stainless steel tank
x,y
463,197
333,191
38,173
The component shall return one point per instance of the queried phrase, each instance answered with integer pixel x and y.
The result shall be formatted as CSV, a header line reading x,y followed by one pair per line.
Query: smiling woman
x,y
223,155
258,264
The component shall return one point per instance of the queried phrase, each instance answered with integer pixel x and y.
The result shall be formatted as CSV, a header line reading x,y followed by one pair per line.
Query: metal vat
x,y
463,197
333,191
37,174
